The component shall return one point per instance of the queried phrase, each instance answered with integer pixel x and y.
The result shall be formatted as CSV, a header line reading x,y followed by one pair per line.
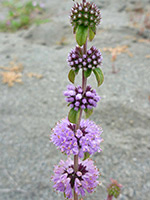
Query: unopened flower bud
x,y
82,100
88,12
91,60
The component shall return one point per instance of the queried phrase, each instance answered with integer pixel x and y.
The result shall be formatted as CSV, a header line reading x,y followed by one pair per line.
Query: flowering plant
x,y
73,135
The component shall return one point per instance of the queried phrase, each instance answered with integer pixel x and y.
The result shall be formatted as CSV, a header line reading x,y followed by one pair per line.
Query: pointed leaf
x,y
81,35
73,116
88,112
69,104
71,76
86,155
64,195
91,34
94,29
99,76
87,73
74,29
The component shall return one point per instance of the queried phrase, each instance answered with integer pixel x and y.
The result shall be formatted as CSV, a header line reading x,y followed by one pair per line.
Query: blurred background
x,y
35,39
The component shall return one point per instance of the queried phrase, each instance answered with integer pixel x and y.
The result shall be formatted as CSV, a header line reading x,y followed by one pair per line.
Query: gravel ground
x,y
28,111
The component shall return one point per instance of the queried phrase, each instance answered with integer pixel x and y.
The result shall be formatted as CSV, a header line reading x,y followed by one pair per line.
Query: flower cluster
x,y
91,60
85,179
77,99
71,141
86,14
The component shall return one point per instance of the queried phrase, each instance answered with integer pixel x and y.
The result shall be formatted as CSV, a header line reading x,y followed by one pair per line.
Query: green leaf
x,y
69,104
87,73
81,35
11,14
73,116
86,155
71,76
91,34
64,195
93,29
74,29
99,76
15,25
88,112
25,20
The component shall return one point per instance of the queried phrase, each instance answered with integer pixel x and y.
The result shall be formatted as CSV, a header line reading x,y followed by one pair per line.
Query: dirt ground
x,y
32,106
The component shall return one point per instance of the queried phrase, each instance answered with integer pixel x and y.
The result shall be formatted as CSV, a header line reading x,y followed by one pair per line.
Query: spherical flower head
x,y
86,14
86,138
91,60
114,189
77,99
85,179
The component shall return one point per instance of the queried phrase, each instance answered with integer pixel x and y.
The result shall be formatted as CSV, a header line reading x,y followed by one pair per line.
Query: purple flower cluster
x,y
77,99
91,60
71,141
85,179
86,14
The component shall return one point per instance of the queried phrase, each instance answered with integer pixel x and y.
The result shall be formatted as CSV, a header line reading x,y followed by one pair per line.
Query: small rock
x,y
134,159
115,160
113,124
129,192
147,185
131,122
122,8
131,101
7,56
122,197
127,173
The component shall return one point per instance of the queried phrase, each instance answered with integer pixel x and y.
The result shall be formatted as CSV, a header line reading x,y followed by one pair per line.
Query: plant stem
x,y
84,81
109,197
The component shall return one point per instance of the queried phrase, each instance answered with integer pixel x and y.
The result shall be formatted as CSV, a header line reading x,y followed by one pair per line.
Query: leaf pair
x,y
98,74
74,115
82,34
